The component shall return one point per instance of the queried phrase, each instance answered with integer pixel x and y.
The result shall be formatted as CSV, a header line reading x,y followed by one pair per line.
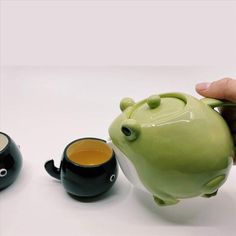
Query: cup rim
x,y
87,166
8,139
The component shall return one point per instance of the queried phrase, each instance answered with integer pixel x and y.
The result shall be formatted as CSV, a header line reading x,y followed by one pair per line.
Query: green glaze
x,y
178,145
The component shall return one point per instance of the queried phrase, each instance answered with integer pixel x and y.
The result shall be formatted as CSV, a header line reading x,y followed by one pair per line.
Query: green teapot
x,y
173,146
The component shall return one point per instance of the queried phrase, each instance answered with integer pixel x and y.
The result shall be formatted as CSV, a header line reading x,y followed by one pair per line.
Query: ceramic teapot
x,y
173,146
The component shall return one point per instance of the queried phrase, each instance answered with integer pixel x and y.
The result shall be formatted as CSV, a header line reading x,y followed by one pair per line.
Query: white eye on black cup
x,y
10,161
3,172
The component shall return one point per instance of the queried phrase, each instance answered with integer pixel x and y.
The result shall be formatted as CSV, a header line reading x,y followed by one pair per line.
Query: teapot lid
x,y
158,107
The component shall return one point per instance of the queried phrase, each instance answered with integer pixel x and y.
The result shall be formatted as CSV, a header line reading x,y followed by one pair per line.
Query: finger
x,y
221,89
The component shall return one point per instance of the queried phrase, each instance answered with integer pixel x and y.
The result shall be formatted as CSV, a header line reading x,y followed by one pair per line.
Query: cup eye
x,y
3,172
112,178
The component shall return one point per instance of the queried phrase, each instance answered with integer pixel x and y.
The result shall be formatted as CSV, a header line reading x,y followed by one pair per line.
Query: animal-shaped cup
x,y
88,168
10,161
173,146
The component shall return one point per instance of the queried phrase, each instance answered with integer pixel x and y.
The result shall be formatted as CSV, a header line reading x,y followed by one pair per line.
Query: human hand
x,y
221,89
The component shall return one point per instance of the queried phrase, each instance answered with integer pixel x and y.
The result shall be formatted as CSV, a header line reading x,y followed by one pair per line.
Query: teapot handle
x,y
212,102
228,112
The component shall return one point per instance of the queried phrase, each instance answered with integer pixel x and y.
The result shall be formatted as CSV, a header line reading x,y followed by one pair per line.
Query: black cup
x,y
10,161
88,168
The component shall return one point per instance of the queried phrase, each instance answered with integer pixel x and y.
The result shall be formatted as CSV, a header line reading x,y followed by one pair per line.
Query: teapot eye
x,y
131,129
154,101
126,131
3,172
126,102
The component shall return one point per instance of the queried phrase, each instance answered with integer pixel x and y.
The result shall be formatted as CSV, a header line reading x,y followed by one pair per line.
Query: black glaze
x,y
84,181
11,161
52,170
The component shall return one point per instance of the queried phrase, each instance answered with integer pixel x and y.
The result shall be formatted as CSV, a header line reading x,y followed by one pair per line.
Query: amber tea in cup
x,y
89,152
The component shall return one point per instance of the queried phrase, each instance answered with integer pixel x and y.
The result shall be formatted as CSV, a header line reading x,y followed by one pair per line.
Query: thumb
x,y
221,89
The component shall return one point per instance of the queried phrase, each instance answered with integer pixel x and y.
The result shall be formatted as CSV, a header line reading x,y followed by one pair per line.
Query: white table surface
x,y
45,108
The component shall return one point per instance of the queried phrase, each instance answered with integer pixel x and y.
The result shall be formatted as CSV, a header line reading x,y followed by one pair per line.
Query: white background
x,y
46,106
76,33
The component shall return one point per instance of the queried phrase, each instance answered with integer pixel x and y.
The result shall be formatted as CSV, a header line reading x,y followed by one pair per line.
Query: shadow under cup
x,y
88,167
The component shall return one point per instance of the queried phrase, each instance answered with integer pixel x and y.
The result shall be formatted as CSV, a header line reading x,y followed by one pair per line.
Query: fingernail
x,y
202,86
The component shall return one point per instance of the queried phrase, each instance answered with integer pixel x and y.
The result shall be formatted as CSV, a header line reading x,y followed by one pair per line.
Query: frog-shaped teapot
x,y
173,145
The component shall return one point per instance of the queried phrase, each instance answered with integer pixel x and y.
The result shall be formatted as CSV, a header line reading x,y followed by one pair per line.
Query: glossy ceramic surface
x,y
84,180
173,145
10,161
